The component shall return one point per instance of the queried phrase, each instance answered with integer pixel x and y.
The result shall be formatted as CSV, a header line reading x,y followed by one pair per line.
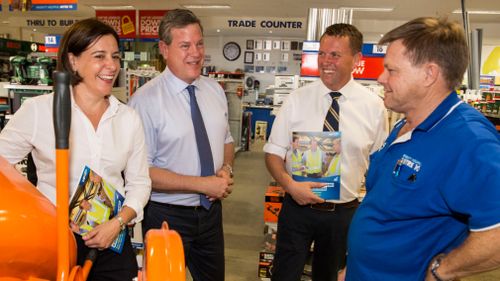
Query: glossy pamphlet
x,y
95,201
315,156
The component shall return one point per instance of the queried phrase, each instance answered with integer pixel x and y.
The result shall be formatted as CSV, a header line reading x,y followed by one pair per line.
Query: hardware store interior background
x,y
255,50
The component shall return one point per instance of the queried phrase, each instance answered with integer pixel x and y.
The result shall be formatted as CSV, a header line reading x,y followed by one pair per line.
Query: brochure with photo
x,y
95,202
315,156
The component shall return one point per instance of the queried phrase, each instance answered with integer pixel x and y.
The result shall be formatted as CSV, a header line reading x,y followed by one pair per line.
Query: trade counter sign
x,y
42,5
149,23
122,21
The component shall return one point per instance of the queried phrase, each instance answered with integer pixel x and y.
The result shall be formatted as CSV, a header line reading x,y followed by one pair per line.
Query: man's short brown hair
x,y
435,40
348,30
177,18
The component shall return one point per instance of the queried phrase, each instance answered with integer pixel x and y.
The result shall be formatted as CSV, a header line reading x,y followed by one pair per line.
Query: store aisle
x,y
243,215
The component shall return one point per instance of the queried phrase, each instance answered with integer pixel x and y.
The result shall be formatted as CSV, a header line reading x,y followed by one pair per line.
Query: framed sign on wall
x,y
248,59
250,44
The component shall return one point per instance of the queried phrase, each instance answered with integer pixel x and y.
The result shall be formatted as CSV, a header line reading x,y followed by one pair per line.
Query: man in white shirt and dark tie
x,y
333,103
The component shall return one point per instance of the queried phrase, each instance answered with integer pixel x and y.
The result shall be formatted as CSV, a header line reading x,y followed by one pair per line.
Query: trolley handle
x,y
62,109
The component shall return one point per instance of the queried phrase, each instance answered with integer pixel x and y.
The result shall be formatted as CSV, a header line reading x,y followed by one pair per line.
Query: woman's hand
x,y
102,236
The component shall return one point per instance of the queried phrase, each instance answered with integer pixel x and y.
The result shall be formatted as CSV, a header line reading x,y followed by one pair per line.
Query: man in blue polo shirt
x,y
432,210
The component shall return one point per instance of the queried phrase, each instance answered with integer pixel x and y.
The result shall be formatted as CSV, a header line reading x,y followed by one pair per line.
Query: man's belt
x,y
330,206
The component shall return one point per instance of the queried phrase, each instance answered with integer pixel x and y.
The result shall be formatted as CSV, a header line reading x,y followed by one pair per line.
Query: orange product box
x,y
272,204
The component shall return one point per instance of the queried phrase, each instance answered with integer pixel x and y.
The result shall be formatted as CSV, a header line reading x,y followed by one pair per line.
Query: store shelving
x,y
487,101
233,86
18,93
135,78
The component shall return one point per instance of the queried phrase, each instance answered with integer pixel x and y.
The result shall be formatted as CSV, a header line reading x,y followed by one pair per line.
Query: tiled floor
x,y
243,219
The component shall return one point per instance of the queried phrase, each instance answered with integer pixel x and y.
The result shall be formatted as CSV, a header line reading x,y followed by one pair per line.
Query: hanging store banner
x,y
149,23
124,22
374,50
309,65
52,43
368,68
490,61
42,5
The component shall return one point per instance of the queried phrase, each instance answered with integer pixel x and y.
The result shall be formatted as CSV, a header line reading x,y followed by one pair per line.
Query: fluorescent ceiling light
x,y
368,9
113,7
223,6
478,12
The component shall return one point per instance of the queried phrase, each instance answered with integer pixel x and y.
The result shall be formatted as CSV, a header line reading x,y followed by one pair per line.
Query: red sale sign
x,y
309,66
122,21
149,23
369,68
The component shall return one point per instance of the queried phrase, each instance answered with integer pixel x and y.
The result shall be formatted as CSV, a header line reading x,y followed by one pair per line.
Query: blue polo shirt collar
x,y
439,113
432,120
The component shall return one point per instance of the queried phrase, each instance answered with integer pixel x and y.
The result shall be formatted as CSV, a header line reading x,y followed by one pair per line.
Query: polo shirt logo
x,y
407,168
410,163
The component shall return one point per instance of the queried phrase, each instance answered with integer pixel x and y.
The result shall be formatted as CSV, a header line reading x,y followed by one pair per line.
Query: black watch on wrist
x,y
435,265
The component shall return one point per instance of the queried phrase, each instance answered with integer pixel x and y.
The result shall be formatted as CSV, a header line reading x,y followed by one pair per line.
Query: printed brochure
x,y
95,202
315,156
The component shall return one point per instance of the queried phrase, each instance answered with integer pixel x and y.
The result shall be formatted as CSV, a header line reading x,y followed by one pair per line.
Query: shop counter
x,y
262,115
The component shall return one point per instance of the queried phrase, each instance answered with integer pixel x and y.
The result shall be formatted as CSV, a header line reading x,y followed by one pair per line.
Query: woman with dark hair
x,y
105,135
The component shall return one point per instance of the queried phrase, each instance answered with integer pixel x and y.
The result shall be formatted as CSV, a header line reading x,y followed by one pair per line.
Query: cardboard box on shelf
x,y
260,130
270,227
270,242
272,204
265,264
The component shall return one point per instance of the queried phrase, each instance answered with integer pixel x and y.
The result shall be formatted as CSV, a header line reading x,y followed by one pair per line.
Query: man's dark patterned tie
x,y
332,117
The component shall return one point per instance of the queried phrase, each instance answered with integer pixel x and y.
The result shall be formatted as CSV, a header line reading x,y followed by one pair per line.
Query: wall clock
x,y
231,51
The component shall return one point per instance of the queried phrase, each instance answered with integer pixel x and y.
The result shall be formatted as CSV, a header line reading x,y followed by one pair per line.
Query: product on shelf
x,y
272,204
265,265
